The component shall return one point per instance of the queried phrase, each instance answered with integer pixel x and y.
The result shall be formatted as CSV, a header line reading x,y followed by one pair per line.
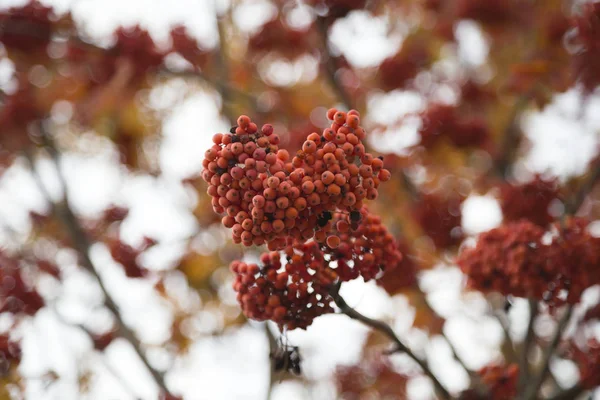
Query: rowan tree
x,y
323,167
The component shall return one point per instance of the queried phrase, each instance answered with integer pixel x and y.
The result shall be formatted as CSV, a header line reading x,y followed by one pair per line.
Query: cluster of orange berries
x,y
529,201
516,259
501,380
293,293
363,249
268,198
288,294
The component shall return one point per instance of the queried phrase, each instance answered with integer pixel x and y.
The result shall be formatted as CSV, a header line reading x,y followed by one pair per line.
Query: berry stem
x,y
82,245
389,332
533,388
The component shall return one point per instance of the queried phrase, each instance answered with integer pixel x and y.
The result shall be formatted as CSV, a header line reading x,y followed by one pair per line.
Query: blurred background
x,y
108,107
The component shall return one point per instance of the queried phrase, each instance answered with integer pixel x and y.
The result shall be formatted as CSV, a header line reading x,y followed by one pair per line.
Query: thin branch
x,y
389,332
272,349
106,365
532,389
510,346
224,90
82,245
511,136
529,336
472,374
220,86
330,65
569,394
584,190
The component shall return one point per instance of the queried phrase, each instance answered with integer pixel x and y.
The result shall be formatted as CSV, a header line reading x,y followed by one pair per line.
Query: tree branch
x,y
389,332
532,389
330,65
510,346
585,189
529,336
272,349
511,135
224,90
82,246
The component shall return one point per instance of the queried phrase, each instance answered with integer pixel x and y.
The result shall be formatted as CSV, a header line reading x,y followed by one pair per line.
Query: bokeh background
x,y
143,152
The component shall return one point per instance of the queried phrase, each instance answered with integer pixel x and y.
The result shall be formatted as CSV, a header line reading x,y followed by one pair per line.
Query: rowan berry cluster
x,y
441,120
31,17
397,70
372,379
440,218
276,35
295,291
516,259
16,295
530,200
266,198
318,194
286,293
501,380
586,61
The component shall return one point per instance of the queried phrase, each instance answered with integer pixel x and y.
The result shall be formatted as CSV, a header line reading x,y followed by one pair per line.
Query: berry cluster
x,y
586,61
128,256
295,291
363,249
374,378
404,275
276,35
267,199
441,120
16,296
530,200
440,218
514,259
287,294
397,70
26,28
501,380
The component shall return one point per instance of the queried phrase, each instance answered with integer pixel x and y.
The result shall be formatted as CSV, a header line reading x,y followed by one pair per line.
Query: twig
x,y
330,65
510,346
511,134
529,336
272,349
82,245
389,332
109,367
584,190
221,86
569,394
532,389
224,90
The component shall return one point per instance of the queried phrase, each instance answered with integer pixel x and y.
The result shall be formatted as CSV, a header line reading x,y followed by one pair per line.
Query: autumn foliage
x,y
311,183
